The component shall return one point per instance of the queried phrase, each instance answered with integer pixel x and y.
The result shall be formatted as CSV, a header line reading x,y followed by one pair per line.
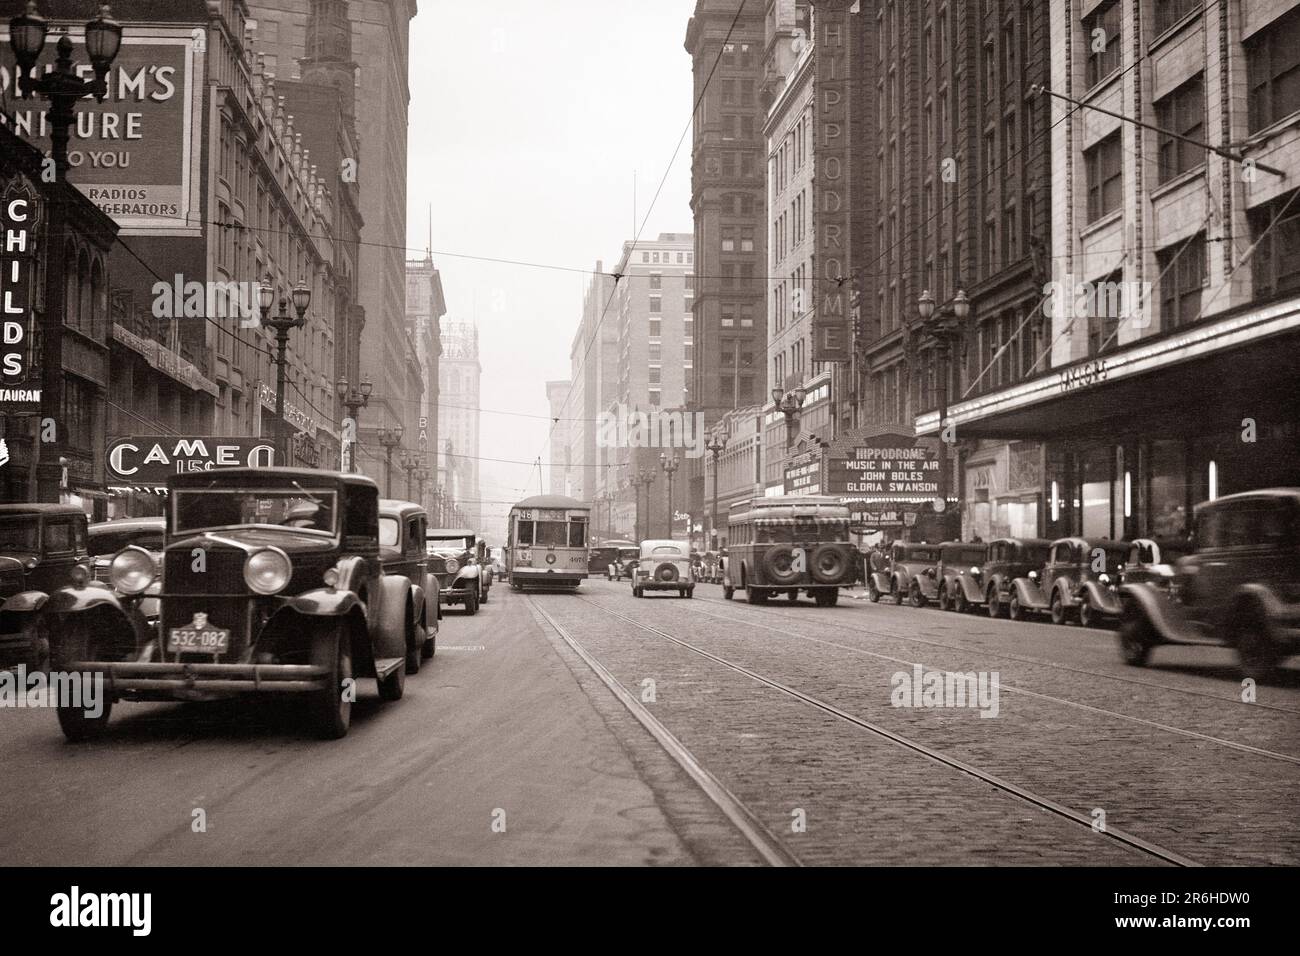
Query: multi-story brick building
x,y
726,41
425,307
655,347
459,382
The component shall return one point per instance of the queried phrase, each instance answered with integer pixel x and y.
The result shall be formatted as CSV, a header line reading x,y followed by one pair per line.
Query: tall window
x,y
1103,320
1276,264
1183,269
1181,112
1273,68
1169,12
1105,182
1101,39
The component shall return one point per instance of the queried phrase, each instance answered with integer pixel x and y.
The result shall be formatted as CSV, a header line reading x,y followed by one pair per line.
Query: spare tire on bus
x,y
778,566
830,564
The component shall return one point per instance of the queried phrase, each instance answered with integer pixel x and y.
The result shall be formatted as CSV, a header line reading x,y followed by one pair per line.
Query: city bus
x,y
788,545
547,544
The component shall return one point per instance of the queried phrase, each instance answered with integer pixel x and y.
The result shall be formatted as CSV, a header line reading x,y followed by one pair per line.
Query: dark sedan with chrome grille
x,y
271,583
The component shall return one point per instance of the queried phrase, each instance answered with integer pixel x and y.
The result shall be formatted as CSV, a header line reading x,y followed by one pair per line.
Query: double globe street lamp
x,y
669,464
946,325
281,324
354,399
717,442
390,438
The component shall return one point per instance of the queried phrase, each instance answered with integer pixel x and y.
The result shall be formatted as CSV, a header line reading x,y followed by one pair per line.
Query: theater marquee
x,y
830,322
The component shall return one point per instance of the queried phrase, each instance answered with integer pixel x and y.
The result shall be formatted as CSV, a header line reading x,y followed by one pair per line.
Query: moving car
x,y
454,561
1238,587
1011,558
960,574
910,574
664,565
788,545
271,583
1080,576
402,550
1152,560
42,548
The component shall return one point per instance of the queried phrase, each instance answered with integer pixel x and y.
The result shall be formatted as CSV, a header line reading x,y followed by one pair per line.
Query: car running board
x,y
386,665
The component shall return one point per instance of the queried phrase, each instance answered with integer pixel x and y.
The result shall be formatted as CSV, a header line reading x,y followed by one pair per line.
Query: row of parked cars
x,y
1235,583
282,581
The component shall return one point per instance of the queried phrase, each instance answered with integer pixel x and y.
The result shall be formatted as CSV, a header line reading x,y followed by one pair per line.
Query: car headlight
x,y
1104,578
452,565
1033,575
132,570
975,571
267,570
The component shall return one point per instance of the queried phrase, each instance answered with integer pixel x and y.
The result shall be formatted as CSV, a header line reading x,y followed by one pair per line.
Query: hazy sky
x,y
528,118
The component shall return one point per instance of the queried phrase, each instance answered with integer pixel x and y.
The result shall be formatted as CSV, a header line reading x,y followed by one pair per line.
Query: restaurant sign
x,y
20,390
152,459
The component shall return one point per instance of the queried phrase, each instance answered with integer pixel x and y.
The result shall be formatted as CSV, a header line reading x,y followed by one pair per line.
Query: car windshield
x,y
790,531
974,556
20,534
110,542
451,544
302,509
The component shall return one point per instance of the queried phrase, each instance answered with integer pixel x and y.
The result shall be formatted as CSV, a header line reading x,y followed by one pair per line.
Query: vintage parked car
x,y
664,565
107,538
454,554
42,548
1152,560
960,574
910,574
1011,558
402,550
1238,587
271,583
1080,576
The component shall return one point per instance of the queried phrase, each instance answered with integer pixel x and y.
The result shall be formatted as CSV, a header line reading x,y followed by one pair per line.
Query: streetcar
x,y
547,543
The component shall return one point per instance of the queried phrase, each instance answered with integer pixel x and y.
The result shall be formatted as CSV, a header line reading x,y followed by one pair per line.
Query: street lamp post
x,y
390,438
670,464
946,326
63,87
409,463
648,478
788,404
354,399
717,442
281,324
421,476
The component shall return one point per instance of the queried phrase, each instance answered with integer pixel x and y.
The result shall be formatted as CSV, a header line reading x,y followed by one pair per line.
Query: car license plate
x,y
193,640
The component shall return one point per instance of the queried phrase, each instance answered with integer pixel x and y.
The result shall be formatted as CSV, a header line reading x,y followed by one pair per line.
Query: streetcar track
x,y
772,850
1037,800
1015,657
1092,708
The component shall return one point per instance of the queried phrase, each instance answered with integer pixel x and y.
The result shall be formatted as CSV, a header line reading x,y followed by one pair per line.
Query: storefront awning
x,y
1209,375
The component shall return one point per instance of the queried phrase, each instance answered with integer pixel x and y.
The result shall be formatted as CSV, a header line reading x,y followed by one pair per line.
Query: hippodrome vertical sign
x,y
830,326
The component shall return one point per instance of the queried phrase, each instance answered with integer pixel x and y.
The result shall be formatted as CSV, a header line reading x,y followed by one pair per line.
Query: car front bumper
x,y
197,680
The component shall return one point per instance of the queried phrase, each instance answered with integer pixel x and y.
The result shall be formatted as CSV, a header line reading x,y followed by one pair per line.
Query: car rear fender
x,y
883,582
388,629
